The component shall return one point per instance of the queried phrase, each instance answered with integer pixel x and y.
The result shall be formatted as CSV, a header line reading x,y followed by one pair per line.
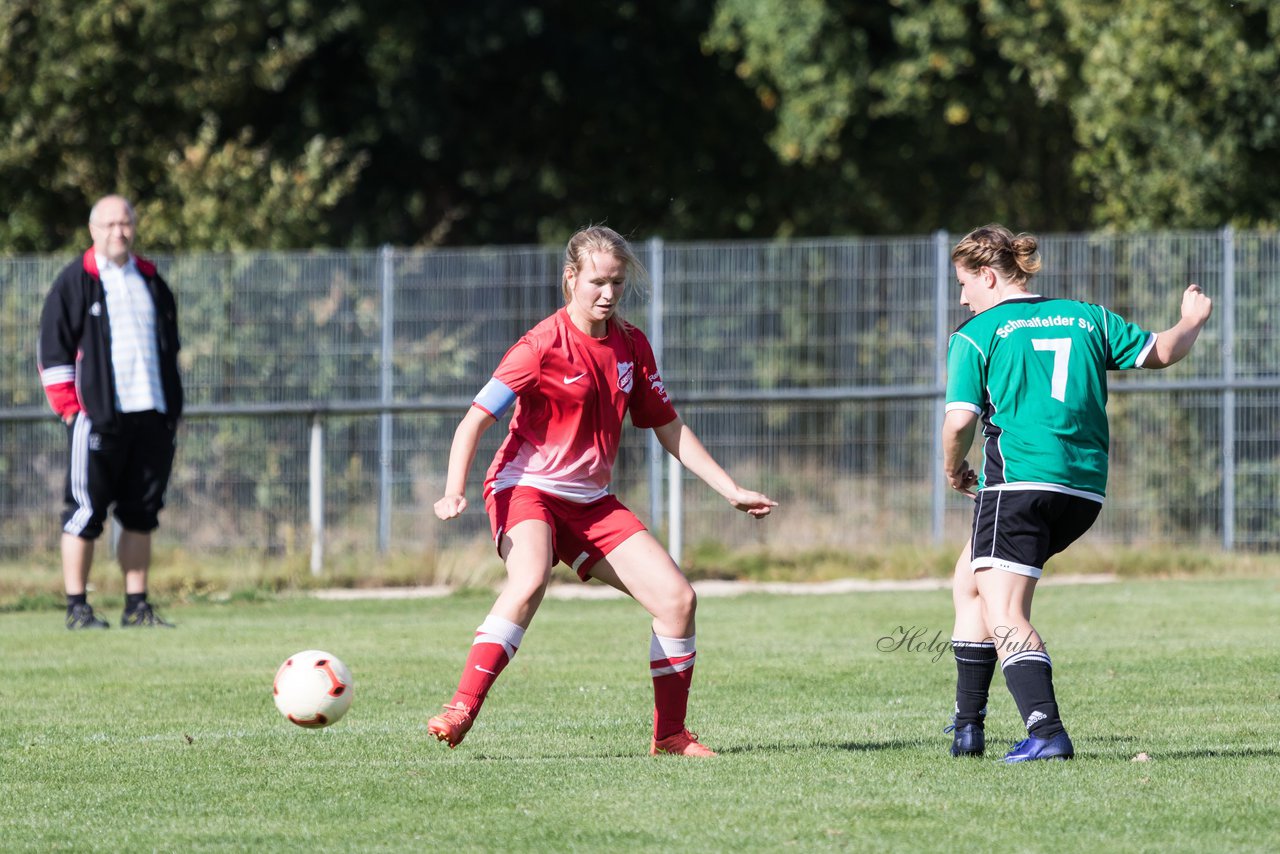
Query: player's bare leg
x,y
1006,610
526,550
642,569
1028,671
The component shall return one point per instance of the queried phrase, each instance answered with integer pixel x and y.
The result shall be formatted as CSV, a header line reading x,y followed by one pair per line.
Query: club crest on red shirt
x,y
626,373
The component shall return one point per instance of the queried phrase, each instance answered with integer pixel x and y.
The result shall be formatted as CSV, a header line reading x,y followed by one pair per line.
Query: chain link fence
x,y
323,389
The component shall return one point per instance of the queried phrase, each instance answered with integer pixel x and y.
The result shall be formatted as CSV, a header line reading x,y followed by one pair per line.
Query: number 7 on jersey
x,y
1061,349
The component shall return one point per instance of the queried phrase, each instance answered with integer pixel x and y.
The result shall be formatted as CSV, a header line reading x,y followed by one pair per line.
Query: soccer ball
x,y
313,689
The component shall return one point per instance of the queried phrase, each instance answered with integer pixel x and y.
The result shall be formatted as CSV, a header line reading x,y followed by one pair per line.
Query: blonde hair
x,y
1015,257
601,238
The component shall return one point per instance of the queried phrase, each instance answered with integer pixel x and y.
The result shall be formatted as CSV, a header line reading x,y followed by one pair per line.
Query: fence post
x,y
316,484
387,286
942,280
1228,313
656,340
675,523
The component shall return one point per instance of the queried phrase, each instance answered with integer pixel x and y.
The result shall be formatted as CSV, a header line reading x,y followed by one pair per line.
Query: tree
x,y
494,122
155,99
309,123
304,123
1177,114
922,119
1051,114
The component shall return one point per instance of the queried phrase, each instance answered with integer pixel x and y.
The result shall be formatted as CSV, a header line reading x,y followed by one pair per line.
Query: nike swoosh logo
x,y
568,380
482,670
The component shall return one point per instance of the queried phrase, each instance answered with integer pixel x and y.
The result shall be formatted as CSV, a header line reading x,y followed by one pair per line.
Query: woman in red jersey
x,y
572,379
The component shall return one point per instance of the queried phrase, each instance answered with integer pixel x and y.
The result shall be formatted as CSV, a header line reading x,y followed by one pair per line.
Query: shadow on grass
x,y
848,746
1104,748
1217,753
1123,748
732,750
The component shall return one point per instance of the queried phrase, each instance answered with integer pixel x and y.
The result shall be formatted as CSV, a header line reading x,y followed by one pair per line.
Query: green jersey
x,y
1035,371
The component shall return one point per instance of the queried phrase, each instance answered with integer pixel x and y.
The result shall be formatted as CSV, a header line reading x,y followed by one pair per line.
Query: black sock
x,y
975,665
1029,675
74,599
133,600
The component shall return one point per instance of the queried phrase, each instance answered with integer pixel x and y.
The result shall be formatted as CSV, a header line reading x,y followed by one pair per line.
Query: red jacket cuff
x,y
63,398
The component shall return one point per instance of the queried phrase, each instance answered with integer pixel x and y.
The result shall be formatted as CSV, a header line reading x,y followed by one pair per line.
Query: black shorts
x,y
1018,530
128,466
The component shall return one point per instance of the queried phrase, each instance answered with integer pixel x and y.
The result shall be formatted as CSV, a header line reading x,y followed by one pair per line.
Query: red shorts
x,y
581,534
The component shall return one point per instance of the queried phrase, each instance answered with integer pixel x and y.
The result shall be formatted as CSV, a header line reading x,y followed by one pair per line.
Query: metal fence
x,y
323,390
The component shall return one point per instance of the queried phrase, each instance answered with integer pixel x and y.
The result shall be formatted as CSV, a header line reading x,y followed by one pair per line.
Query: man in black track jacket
x,y
108,359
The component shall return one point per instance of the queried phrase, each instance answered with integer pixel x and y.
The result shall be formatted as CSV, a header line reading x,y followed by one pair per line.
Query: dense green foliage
x,y
1058,114
303,123
830,738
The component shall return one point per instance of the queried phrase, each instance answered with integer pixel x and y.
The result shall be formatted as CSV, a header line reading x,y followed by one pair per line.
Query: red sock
x,y
496,642
671,666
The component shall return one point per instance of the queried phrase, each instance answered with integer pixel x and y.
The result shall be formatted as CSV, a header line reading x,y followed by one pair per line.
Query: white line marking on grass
x,y
344,594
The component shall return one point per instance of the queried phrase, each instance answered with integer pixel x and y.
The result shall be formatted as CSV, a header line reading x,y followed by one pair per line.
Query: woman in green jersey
x,y
1032,370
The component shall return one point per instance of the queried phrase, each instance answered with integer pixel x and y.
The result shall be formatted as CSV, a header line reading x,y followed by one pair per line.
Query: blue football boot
x,y
1058,747
969,739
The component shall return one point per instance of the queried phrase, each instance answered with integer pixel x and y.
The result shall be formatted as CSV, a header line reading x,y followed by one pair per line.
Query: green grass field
x,y
169,741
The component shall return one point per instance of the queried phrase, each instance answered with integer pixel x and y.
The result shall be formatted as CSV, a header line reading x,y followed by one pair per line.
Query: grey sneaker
x,y
82,617
143,616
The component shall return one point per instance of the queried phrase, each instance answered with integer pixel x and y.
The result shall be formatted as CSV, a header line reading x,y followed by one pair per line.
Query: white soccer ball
x,y
313,689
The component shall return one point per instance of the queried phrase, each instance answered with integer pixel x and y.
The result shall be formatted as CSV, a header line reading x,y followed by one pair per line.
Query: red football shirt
x,y
571,392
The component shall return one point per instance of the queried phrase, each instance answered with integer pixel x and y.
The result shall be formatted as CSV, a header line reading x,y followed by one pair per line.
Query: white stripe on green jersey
x,y
1035,371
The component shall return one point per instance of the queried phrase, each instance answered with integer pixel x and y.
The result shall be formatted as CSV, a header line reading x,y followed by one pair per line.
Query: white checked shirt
x,y
134,357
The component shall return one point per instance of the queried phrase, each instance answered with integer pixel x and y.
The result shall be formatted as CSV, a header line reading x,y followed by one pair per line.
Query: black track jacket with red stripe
x,y
74,350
